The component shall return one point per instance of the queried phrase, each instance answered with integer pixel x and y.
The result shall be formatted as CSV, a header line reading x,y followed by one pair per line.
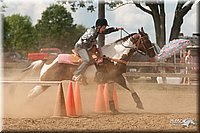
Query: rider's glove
x,y
120,28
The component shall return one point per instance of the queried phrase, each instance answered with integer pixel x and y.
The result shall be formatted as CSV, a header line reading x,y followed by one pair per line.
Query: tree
x,y
75,4
157,12
155,9
17,33
56,28
90,7
101,14
182,9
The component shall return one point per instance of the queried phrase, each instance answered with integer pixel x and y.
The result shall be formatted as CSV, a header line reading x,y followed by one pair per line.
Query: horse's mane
x,y
119,41
125,38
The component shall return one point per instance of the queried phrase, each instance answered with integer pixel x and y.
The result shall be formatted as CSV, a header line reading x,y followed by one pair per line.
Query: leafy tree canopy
x,y
55,21
17,32
56,28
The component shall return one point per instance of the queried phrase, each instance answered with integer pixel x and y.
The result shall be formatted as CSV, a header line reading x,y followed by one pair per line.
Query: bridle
x,y
135,46
139,42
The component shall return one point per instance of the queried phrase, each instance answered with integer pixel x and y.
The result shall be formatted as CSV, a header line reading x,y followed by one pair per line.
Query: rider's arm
x,y
112,29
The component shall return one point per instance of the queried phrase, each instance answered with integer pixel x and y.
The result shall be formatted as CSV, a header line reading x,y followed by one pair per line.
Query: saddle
x,y
69,59
73,59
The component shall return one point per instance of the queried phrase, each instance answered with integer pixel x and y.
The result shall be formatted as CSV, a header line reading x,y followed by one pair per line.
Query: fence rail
x,y
161,65
32,82
129,74
160,74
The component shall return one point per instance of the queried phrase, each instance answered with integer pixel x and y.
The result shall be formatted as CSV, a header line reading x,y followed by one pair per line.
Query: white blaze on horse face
x,y
46,67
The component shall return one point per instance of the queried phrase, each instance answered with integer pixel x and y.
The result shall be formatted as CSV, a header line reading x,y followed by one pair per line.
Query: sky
x,y
129,17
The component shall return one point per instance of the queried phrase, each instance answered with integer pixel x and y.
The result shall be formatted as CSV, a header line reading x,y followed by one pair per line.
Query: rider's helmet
x,y
101,22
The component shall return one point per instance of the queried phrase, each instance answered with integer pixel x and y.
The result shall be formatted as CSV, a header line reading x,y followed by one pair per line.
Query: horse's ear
x,y
142,30
139,31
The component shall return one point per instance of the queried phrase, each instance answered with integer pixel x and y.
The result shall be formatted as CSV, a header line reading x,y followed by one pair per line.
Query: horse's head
x,y
142,43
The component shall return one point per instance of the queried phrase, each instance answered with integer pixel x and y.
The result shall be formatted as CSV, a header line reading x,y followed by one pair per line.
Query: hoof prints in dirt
x,y
102,122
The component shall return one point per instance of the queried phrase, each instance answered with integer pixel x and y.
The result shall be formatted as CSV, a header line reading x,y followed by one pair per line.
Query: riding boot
x,y
137,100
112,107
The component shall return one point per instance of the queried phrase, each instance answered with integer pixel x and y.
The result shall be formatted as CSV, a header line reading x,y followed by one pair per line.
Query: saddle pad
x,y
69,59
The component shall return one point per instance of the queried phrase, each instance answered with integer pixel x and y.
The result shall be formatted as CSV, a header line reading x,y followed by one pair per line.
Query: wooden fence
x,y
161,65
48,83
132,74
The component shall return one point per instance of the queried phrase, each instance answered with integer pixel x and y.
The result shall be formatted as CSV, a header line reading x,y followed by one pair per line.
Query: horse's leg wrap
x,y
37,90
137,100
112,106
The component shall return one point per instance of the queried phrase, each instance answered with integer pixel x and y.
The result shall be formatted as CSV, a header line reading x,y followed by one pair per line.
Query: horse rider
x,y
86,43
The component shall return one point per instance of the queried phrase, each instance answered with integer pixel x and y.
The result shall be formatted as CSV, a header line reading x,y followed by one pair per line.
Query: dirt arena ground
x,y
165,109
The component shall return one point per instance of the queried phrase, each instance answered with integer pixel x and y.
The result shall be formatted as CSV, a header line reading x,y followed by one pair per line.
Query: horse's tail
x,y
35,65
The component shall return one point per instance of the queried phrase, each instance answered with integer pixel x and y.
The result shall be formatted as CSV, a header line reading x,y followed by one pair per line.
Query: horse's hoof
x,y
115,111
112,107
140,106
137,100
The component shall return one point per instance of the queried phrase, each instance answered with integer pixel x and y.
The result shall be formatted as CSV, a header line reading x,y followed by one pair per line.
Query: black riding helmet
x,y
101,22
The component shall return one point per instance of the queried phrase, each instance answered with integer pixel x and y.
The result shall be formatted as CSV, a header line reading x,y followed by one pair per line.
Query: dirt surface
x,y
165,108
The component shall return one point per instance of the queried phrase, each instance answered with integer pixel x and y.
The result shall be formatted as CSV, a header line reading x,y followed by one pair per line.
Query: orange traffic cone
x,y
115,98
106,97
78,104
100,102
59,110
70,105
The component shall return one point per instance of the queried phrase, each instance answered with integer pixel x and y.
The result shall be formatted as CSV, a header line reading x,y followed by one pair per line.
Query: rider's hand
x,y
100,60
120,28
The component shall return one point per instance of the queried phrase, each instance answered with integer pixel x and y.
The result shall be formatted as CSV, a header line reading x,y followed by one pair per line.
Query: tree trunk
x,y
157,29
176,28
101,14
180,12
162,25
157,11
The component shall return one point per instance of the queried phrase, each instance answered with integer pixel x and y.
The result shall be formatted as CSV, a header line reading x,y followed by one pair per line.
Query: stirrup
x,y
76,78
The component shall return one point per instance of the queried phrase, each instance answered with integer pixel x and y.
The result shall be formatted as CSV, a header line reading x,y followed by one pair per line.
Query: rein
x,y
116,60
126,32
119,61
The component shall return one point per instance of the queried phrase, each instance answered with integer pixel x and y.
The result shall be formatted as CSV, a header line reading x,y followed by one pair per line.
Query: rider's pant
x,y
85,57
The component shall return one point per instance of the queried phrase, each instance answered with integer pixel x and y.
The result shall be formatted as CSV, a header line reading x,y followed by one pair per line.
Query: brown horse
x,y
108,71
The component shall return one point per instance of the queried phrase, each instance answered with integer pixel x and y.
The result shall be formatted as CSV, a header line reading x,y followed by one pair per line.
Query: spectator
x,y
188,60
